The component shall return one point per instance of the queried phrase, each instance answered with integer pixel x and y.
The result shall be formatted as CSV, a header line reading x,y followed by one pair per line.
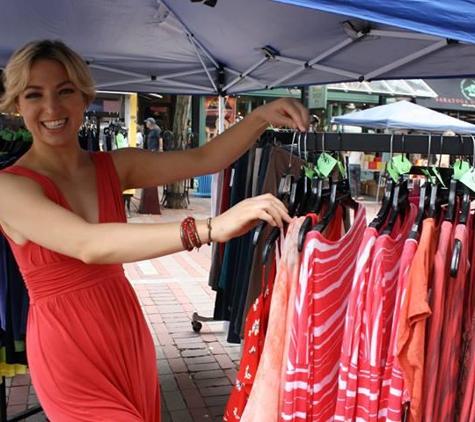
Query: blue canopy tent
x,y
236,46
405,115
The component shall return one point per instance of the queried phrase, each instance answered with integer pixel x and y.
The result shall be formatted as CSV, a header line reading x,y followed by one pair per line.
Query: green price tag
x,y
401,164
342,169
460,168
437,174
429,176
325,164
468,179
392,171
309,172
318,173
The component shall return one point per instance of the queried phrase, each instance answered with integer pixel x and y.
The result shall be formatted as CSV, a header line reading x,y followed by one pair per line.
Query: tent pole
x,y
221,108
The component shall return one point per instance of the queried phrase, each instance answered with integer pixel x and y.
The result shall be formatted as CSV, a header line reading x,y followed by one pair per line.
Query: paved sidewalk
x,y
196,370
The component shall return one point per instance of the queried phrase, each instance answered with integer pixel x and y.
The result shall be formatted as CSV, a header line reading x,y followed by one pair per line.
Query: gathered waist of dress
x,y
55,279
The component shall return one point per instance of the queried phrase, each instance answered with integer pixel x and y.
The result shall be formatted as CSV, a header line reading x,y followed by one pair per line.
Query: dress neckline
x,y
61,196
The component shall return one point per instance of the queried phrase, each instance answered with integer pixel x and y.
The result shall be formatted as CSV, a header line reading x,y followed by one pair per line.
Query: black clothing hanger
x,y
465,207
383,212
452,205
284,195
421,213
314,207
464,214
398,206
342,198
268,245
331,210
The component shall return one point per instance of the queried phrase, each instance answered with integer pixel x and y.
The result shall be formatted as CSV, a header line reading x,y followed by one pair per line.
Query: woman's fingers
x,y
274,208
285,112
291,113
246,214
299,114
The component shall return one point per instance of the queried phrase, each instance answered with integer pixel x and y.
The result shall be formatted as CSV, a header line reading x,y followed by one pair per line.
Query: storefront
x,y
456,97
324,101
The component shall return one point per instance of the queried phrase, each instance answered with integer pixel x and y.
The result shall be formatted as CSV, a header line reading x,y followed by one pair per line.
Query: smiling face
x,y
51,105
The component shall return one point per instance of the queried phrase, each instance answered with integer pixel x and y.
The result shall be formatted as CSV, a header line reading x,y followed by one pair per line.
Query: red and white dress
x,y
327,271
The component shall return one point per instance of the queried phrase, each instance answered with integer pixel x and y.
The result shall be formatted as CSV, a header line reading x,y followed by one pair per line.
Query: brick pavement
x,y
196,370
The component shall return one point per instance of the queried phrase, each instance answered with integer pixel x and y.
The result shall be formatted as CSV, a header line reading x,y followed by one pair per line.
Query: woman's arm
x,y
28,215
139,168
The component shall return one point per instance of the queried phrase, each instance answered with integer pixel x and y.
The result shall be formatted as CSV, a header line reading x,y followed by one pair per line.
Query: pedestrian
x,y
154,138
90,352
355,162
139,137
120,141
127,195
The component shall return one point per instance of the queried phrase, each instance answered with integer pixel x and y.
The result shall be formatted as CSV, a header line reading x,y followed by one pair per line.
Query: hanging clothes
x,y
414,313
393,392
326,275
378,314
348,366
451,338
277,166
256,327
265,399
435,323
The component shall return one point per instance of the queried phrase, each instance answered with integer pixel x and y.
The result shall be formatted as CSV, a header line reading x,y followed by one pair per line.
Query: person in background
x,y
90,353
154,138
139,137
355,162
120,141
127,195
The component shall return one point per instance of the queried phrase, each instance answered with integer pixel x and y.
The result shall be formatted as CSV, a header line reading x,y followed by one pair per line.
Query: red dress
x,y
90,352
254,338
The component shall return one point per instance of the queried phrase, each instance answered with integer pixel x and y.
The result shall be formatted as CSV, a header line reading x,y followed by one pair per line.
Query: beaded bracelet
x,y
208,225
189,234
184,239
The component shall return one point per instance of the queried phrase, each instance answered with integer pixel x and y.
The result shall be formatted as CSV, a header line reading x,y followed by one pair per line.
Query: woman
x,y
90,352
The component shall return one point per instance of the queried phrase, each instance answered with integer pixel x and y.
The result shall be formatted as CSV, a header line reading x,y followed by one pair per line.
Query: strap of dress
x,y
109,187
48,186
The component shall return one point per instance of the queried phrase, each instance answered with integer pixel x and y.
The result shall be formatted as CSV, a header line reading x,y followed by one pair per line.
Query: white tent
x,y
405,115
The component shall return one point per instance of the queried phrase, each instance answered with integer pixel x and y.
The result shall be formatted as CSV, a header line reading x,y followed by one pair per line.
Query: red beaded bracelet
x,y
189,234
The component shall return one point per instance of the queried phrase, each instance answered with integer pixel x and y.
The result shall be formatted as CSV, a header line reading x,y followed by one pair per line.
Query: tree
x,y
176,193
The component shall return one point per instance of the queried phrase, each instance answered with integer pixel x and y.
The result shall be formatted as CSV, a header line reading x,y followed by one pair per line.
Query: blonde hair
x,y
17,72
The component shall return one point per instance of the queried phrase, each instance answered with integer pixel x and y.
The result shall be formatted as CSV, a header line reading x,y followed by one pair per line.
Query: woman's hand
x,y
285,112
245,215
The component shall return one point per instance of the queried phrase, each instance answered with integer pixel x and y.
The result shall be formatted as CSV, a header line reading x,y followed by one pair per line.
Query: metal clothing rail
x,y
376,142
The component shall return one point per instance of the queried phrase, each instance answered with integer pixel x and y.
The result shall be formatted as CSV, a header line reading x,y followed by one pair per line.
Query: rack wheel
x,y
196,325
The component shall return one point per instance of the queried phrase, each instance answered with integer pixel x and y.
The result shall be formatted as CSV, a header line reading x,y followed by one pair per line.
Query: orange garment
x,y
412,321
90,352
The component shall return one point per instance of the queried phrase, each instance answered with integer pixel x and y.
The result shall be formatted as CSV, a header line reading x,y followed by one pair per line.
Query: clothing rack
x,y
376,142
462,145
